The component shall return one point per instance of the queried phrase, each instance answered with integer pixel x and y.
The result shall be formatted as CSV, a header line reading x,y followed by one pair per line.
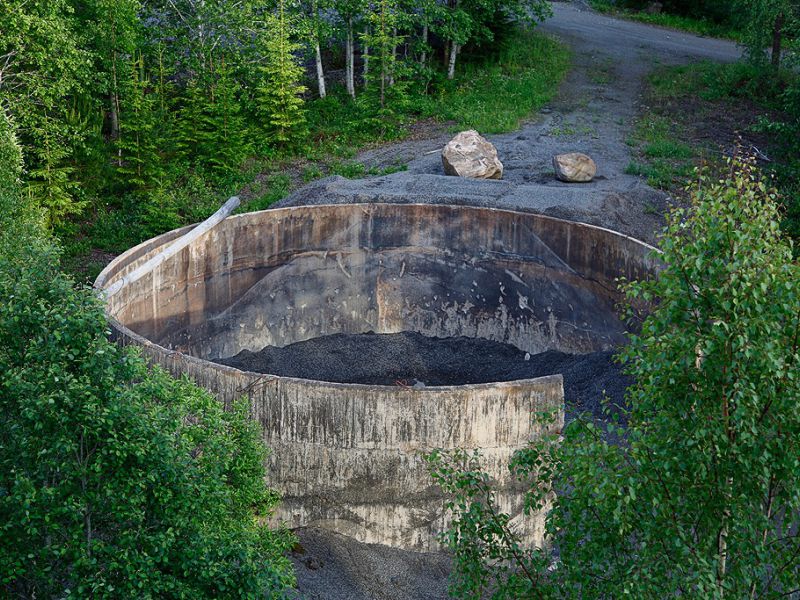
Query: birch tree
x,y
349,12
767,24
318,28
702,497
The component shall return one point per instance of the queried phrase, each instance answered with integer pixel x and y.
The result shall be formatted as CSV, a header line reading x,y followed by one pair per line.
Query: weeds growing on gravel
x,y
700,110
664,160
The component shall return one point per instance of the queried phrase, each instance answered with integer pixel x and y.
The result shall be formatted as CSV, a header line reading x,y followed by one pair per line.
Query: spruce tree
x,y
228,140
280,93
382,40
140,162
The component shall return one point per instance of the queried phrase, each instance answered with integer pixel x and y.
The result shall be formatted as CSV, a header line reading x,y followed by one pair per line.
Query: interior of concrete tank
x,y
380,275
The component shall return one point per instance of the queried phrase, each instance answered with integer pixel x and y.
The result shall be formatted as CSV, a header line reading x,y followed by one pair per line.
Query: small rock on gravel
x,y
574,167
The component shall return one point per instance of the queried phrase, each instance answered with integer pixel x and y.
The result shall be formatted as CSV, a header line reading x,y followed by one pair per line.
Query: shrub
x,y
701,497
116,481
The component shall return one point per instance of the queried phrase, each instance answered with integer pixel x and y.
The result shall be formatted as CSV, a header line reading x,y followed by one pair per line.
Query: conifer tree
x,y
382,40
227,142
140,163
191,123
52,178
280,100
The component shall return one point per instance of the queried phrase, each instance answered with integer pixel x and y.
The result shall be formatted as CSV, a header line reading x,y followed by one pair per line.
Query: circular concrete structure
x,y
347,456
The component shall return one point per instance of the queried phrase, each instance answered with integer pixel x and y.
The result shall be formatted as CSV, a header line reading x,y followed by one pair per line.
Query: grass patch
x,y
495,95
697,111
702,27
665,161
668,149
277,188
754,108
726,82
492,94
700,112
661,173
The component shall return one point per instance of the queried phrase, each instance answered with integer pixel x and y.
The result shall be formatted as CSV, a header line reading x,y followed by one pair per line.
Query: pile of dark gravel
x,y
411,358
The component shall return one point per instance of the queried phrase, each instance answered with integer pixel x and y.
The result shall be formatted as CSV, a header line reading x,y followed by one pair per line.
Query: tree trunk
x,y
366,56
350,75
320,71
777,39
113,101
424,58
394,56
451,69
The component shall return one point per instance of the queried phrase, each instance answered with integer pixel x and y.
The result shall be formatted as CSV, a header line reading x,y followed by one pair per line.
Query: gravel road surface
x,y
593,113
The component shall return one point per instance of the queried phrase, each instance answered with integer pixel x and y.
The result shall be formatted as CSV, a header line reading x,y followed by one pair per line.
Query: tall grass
x,y
497,94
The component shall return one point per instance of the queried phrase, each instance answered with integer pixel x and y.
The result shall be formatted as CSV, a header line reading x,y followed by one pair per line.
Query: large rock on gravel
x,y
469,154
574,167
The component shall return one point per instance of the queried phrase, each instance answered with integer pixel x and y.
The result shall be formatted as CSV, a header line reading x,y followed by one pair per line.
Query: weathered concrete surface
x,y
347,457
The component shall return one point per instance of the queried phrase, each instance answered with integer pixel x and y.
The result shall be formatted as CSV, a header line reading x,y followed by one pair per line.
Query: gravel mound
x,y
413,359
330,566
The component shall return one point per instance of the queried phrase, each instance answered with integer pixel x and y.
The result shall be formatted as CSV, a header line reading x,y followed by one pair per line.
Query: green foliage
x,y
51,173
124,105
139,160
774,99
211,131
43,65
761,21
230,133
277,188
10,153
489,560
664,161
713,19
497,93
702,496
115,480
382,40
280,93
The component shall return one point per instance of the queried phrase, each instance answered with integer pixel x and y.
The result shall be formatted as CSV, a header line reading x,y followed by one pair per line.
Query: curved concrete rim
x,y
106,276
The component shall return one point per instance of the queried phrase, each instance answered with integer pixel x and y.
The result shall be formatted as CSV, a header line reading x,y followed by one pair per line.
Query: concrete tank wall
x,y
348,456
